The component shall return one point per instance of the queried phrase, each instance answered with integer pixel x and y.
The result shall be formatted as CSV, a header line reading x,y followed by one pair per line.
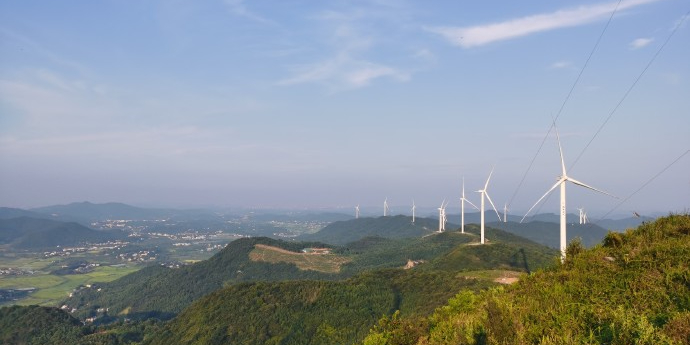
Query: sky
x,y
331,104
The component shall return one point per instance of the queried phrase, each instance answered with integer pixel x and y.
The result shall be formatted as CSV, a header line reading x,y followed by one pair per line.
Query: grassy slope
x,y
633,289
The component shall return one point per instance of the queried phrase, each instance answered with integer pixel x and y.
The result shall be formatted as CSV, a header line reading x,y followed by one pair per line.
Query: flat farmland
x,y
51,289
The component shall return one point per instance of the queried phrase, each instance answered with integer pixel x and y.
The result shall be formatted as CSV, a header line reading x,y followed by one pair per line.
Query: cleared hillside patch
x,y
327,263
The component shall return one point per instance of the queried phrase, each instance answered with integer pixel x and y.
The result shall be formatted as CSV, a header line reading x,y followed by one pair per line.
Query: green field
x,y
51,289
327,263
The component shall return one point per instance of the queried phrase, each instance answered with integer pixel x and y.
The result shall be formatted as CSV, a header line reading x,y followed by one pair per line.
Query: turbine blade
x,y
542,197
492,205
473,205
589,187
486,185
560,149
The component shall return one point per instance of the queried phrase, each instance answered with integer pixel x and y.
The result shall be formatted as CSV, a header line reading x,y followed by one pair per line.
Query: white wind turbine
x,y
357,212
413,208
462,207
385,207
481,209
505,213
561,182
442,217
582,215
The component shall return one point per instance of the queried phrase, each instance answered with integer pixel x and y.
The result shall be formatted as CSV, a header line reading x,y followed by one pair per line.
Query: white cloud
x,y
344,72
473,36
639,43
349,38
238,8
561,65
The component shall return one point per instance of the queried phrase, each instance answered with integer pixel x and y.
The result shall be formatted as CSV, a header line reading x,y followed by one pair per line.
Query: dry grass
x,y
327,263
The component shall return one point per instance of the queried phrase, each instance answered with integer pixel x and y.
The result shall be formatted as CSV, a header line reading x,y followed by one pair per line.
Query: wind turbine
x,y
462,207
582,215
413,208
481,209
357,212
505,213
442,217
385,207
561,182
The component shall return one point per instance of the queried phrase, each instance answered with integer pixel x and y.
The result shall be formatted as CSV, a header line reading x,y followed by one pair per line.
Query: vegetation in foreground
x,y
634,288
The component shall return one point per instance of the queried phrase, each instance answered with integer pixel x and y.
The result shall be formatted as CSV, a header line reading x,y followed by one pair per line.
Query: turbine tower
x,y
462,207
442,217
481,209
385,207
413,208
582,215
561,182
357,212
505,213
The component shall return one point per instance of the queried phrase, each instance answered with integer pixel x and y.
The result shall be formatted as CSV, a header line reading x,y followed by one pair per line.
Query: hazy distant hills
x,y
86,211
33,233
343,232
549,234
8,213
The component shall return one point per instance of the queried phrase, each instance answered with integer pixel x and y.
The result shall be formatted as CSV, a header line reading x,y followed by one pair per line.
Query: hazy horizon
x,y
300,105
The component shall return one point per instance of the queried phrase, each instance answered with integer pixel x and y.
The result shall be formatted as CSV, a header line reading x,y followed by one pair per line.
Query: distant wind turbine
x,y
385,207
561,182
357,212
481,209
442,217
583,215
462,207
505,213
413,208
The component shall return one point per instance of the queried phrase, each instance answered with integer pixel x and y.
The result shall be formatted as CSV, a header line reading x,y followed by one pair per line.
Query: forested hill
x,y
158,291
344,232
633,289
33,233
309,312
163,292
220,304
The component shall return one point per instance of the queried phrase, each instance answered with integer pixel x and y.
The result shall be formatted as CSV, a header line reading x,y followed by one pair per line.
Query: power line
x,y
567,97
680,23
643,185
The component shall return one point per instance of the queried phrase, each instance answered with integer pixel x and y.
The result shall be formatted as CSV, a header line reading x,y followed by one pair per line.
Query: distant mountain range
x,y
35,233
548,233
86,212
342,232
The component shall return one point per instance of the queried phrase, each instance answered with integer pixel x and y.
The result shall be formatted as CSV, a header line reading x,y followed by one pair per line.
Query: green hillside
x,y
33,233
343,232
161,292
309,312
38,325
632,289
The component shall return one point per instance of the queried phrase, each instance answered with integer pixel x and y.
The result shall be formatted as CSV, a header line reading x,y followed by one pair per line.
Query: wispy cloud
x,y
640,43
561,65
343,72
473,36
238,8
351,39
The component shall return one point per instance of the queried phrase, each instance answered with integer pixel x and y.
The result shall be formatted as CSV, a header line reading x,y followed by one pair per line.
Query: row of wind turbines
x,y
561,182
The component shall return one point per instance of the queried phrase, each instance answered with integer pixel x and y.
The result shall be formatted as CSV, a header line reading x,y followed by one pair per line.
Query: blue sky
x,y
318,104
